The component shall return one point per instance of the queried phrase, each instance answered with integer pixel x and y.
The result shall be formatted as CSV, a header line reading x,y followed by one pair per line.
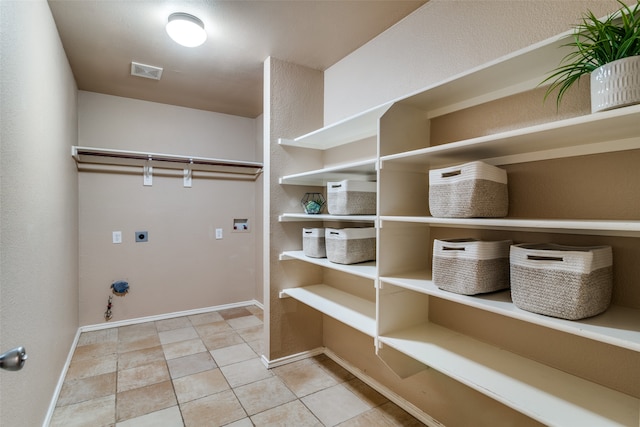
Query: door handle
x,y
14,359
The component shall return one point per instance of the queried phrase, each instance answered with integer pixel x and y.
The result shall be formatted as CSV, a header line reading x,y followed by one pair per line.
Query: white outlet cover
x,y
218,233
117,237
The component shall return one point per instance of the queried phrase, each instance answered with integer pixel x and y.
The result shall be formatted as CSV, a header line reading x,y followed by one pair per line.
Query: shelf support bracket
x,y
148,173
188,174
283,294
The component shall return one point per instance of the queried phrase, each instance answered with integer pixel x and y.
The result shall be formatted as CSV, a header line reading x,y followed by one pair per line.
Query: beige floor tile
x,y
213,328
144,400
251,334
137,358
255,310
183,348
170,417
215,410
245,372
97,412
232,313
233,354
365,393
139,344
257,347
289,414
398,416
174,323
334,405
204,318
137,332
143,375
92,366
245,422
76,391
244,322
192,364
199,385
304,377
223,339
102,335
175,335
372,418
333,368
90,351
262,395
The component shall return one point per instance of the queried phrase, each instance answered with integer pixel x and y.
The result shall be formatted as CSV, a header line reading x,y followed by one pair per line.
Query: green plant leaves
x,y
594,44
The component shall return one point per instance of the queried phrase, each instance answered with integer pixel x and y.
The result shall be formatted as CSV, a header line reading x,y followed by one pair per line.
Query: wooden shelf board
x,y
363,269
351,129
287,217
349,309
360,170
618,326
548,395
578,226
606,131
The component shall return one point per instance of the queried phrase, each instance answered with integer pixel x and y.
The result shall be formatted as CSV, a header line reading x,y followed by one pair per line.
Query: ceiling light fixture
x,y
186,29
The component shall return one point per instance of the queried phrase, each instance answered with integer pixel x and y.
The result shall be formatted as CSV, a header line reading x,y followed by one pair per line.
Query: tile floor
x,y
205,370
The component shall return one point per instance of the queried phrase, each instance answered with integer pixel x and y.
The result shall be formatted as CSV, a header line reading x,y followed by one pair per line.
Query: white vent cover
x,y
146,71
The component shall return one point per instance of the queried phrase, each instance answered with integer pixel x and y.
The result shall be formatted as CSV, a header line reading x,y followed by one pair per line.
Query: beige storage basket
x,y
350,245
313,244
568,282
351,197
469,266
471,190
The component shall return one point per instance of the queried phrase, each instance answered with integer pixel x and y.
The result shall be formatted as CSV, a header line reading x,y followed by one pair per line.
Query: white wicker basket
x,y
313,244
351,197
473,189
469,266
568,282
350,245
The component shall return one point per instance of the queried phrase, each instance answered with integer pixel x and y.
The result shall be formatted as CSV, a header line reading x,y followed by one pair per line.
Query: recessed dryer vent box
x,y
241,225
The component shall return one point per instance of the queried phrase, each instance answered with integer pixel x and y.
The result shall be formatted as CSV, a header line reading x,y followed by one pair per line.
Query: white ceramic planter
x,y
616,84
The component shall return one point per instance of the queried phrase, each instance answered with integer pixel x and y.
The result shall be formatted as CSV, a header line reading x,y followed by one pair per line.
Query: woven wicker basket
x,y
469,266
561,281
351,197
470,190
313,243
350,245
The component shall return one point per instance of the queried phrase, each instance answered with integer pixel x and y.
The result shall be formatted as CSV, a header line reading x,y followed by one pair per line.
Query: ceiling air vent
x,y
146,71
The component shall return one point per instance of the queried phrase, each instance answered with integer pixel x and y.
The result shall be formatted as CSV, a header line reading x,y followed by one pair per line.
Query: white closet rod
x,y
170,161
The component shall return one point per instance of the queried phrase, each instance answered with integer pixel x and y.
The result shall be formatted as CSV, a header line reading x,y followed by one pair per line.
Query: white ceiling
x,y
102,38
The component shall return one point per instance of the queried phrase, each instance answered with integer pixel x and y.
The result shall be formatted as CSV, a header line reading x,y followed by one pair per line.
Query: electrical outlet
x,y
117,237
142,236
218,233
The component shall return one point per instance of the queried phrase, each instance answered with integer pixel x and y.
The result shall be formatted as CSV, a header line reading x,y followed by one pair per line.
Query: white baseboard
x,y
154,318
63,374
292,358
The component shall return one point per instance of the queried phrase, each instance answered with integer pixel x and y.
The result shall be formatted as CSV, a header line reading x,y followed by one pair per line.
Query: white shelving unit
x,y
407,339
351,310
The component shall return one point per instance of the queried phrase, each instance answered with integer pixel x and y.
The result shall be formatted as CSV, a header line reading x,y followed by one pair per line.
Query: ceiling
x,y
102,37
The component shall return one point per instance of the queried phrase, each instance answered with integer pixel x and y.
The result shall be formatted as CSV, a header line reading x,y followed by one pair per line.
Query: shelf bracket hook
x,y
148,173
188,174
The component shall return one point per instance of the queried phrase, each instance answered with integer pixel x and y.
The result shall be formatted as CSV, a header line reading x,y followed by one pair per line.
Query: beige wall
x,y
38,208
182,266
441,39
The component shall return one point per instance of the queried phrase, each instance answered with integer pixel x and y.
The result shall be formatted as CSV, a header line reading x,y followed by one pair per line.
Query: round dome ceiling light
x,y
186,29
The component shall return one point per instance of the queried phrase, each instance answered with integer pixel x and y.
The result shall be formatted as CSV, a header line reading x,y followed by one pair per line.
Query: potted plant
x,y
606,49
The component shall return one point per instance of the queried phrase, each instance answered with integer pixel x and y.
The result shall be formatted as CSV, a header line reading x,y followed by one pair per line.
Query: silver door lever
x,y
14,359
